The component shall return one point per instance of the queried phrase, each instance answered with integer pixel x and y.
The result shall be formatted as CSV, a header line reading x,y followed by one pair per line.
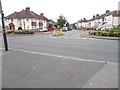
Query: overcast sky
x,y
73,10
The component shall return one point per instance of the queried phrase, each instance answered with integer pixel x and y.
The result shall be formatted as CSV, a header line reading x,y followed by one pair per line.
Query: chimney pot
x,y
42,14
27,8
93,16
107,11
97,15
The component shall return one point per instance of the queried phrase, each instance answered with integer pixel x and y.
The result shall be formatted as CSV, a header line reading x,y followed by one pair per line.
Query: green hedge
x,y
114,32
20,31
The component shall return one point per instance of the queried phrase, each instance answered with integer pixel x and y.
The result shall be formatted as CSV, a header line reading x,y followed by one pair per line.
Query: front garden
x,y
113,32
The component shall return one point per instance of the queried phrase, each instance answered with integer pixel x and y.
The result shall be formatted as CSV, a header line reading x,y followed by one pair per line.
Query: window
x,y
27,19
11,19
34,20
105,19
109,19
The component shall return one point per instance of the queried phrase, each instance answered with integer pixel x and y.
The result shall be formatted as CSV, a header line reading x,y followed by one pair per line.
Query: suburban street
x,y
65,61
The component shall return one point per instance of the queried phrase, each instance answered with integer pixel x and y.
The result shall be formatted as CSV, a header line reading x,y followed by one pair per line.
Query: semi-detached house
x,y
106,19
26,19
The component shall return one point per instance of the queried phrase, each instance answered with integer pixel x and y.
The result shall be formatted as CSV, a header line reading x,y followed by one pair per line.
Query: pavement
x,y
25,69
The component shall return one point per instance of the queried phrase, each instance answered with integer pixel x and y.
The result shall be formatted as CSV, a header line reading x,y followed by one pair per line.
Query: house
x,y
25,19
51,23
112,18
83,23
107,19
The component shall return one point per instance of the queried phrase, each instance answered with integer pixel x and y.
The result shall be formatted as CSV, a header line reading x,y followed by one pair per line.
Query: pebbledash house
x,y
26,19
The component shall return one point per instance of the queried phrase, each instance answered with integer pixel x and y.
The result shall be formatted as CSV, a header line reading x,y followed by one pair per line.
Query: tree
x,y
67,24
61,21
74,26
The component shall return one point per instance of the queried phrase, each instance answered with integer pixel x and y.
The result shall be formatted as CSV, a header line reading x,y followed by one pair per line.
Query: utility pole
x,y
3,28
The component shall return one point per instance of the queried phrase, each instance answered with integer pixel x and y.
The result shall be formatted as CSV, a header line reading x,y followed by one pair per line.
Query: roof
x,y
113,13
41,16
26,14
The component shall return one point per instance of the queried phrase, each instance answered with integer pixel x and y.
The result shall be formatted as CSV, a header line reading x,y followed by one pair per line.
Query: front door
x,y
12,26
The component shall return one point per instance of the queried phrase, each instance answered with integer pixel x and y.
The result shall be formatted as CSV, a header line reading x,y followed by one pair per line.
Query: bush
x,y
114,32
20,31
9,31
117,34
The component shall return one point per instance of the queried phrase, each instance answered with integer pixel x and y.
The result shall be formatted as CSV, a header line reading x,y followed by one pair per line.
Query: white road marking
x,y
34,67
84,38
65,57
8,52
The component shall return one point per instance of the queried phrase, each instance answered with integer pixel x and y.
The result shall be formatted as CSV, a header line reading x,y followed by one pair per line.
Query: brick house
x,y
25,19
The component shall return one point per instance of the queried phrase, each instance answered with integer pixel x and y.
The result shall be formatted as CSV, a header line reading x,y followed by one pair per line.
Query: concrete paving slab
x,y
107,77
26,70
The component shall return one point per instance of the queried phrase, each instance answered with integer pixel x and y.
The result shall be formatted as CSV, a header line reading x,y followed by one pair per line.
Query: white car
x,y
108,27
43,30
103,27
65,28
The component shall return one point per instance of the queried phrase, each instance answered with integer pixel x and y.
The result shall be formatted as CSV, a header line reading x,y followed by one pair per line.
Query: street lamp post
x,y
3,27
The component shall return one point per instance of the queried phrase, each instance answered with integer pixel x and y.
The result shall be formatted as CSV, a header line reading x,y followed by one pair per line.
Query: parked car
x,y
51,29
69,29
42,30
65,28
98,28
103,27
107,27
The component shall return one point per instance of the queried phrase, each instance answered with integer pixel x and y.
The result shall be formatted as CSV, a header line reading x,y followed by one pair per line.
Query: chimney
x,y
97,15
107,11
42,14
93,16
28,8
84,18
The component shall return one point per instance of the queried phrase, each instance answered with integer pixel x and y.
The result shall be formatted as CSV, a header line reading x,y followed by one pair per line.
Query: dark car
x,y
69,29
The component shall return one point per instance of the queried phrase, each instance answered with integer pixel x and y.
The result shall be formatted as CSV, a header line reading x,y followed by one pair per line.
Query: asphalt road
x,y
43,61
93,49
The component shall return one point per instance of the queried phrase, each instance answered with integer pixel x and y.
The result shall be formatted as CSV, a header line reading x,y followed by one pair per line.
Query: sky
x,y
73,10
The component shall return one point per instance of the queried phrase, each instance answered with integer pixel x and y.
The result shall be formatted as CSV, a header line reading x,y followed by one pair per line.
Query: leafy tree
x,y
55,25
74,26
67,24
61,21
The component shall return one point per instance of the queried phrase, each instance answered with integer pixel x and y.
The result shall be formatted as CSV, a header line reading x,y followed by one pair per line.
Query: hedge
x,y
114,32
20,31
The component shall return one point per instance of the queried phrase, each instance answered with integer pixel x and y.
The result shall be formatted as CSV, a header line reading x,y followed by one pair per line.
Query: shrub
x,y
104,33
117,34
101,33
20,32
9,31
15,32
108,32
31,31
